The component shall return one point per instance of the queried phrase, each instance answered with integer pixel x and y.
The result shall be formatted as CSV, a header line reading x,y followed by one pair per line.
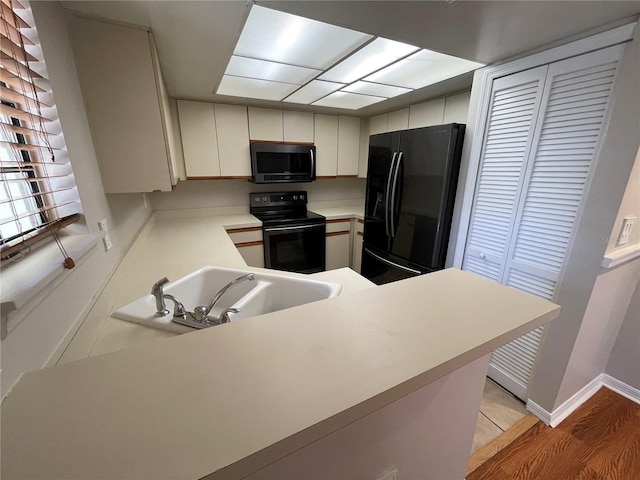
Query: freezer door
x,y
383,153
381,269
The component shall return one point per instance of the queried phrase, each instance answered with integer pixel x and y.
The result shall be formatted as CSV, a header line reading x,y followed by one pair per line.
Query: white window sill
x,y
617,257
25,281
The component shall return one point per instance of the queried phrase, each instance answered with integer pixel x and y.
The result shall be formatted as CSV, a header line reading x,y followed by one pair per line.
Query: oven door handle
x,y
294,227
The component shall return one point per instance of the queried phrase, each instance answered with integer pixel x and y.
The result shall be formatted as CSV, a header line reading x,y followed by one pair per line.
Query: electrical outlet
x,y
391,474
625,231
103,225
106,241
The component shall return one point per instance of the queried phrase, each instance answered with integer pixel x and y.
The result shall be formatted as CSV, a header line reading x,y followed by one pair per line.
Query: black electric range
x,y
293,237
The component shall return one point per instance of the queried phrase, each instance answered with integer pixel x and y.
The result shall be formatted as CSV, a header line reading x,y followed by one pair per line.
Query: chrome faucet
x,y
201,312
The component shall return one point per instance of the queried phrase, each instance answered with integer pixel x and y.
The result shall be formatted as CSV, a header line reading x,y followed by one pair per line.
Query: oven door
x,y
295,248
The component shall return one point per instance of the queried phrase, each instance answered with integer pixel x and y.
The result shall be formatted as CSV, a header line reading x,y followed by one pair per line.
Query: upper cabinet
x,y
337,140
298,126
215,140
265,124
126,104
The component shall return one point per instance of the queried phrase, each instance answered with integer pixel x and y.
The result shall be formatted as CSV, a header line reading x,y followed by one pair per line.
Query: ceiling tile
x,y
351,101
264,70
377,89
313,91
253,88
285,38
374,56
422,69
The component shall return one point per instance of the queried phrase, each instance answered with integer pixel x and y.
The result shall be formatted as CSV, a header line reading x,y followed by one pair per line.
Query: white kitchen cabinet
x,y
233,141
356,244
398,120
544,127
126,104
427,113
326,142
338,243
265,124
297,126
379,124
348,145
249,243
199,142
456,108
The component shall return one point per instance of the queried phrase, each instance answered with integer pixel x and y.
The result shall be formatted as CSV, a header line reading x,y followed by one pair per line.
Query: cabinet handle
x,y
482,255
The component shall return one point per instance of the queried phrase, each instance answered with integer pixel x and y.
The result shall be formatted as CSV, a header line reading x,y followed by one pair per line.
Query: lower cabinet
x,y
338,243
356,247
249,243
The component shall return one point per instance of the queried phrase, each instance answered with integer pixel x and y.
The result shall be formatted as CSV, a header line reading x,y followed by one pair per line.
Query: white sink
x,y
267,293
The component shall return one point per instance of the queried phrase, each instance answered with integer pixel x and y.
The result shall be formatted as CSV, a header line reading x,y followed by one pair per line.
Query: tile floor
x,y
499,411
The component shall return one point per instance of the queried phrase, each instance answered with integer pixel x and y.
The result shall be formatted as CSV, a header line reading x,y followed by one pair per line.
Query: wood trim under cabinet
x,y
278,142
342,232
239,177
339,220
244,229
360,234
249,244
360,221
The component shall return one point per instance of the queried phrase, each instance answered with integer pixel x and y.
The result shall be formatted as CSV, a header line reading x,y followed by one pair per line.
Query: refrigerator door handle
x,y
392,209
387,204
392,264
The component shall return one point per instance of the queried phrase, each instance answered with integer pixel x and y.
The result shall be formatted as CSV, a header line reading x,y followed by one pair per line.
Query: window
x,y
38,195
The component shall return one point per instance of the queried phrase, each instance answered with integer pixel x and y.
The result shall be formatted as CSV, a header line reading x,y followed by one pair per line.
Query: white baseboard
x,y
621,388
555,417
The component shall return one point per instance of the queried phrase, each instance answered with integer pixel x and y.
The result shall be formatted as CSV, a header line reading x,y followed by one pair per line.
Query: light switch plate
x,y
625,231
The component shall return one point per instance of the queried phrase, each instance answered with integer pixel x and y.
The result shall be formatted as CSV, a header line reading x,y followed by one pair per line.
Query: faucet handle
x,y
224,315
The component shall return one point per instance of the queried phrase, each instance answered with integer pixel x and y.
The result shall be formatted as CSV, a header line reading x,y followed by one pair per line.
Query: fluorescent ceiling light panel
x,y
350,101
422,69
376,89
378,54
285,38
313,91
264,70
253,88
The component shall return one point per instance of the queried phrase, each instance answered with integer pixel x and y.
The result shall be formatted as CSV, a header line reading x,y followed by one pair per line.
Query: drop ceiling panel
x,y
253,88
351,101
313,91
263,70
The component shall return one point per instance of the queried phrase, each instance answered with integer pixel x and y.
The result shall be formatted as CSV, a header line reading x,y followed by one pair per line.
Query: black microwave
x,y
282,163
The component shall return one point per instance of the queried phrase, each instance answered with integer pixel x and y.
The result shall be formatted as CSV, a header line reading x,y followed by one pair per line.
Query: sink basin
x,y
267,293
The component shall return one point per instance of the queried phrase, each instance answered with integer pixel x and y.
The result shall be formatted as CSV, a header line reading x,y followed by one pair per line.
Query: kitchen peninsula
x,y
390,376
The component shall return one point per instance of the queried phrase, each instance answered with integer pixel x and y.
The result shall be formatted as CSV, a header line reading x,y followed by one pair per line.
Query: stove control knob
x,y
295,197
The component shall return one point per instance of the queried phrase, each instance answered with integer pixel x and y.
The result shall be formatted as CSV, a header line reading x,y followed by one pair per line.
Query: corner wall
x,y
43,331
555,377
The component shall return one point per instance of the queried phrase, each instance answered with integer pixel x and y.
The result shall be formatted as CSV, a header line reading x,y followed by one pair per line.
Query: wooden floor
x,y
599,441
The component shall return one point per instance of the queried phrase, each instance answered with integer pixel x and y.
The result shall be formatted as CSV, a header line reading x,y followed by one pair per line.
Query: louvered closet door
x,y
567,136
515,101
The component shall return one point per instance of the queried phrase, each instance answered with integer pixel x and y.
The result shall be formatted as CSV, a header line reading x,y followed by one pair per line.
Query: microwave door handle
x,y
313,164
387,196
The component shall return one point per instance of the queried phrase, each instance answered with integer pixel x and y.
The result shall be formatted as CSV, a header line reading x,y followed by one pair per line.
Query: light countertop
x,y
229,400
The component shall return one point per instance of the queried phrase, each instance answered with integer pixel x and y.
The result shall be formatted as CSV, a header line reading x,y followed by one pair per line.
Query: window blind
x,y
38,194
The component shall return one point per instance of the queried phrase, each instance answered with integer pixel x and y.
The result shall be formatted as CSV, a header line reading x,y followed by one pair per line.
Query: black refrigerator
x,y
411,187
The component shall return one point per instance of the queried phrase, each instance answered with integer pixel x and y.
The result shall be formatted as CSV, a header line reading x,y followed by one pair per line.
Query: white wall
x,y
39,335
624,362
556,377
231,193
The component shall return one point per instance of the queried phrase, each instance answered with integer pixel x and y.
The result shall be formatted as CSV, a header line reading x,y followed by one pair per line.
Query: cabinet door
x,y
427,113
233,141
515,101
298,126
567,136
348,145
326,141
379,124
265,124
456,108
356,249
338,243
199,142
119,85
398,120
